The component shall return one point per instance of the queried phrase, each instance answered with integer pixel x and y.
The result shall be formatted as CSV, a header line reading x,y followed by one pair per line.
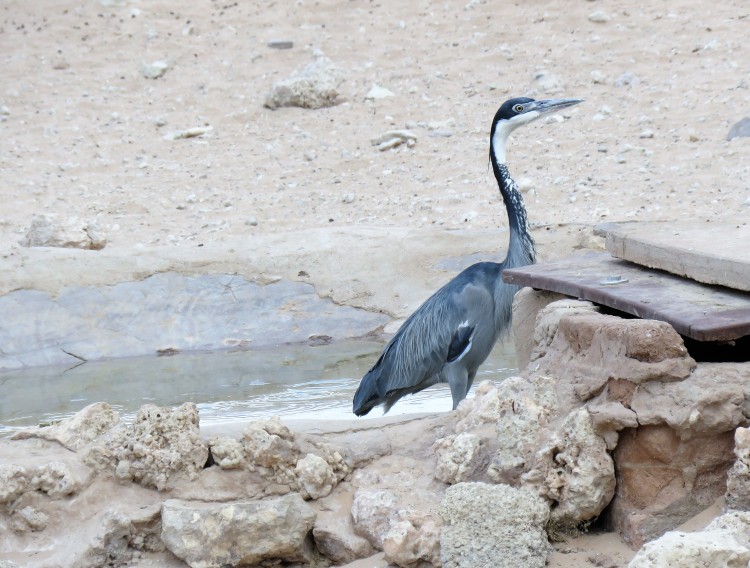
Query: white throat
x,y
503,131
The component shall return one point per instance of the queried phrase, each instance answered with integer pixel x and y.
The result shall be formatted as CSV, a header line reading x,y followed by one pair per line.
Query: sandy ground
x,y
84,134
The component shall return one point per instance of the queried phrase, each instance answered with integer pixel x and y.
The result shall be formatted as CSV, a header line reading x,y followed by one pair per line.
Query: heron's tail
x,y
367,395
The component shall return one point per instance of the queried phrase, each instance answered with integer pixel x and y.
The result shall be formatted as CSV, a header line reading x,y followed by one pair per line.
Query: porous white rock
x,y
57,479
413,540
161,447
270,450
373,512
574,470
78,430
315,477
738,479
315,86
493,526
459,457
237,534
724,543
50,231
30,519
14,481
228,453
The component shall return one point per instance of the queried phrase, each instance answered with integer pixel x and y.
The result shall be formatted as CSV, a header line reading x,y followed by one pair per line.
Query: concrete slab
x,y
705,313
711,253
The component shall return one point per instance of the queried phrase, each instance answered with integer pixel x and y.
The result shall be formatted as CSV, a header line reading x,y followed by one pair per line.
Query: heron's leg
x,y
471,381
458,379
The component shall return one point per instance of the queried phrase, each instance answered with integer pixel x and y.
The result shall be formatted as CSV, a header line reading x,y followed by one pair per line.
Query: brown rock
x,y
662,480
588,350
710,401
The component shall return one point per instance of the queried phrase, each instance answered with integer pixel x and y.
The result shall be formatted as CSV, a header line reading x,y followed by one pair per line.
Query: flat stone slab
x,y
699,311
169,312
711,253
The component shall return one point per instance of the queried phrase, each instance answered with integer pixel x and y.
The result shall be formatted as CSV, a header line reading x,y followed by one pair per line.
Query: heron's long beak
x,y
552,105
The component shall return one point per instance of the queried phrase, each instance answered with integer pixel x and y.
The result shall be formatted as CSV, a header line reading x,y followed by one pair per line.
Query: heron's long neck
x,y
521,249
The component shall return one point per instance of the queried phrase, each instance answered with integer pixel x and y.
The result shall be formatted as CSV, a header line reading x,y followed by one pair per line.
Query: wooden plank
x,y
700,311
712,253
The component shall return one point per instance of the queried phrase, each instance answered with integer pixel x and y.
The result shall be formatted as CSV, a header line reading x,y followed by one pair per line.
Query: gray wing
x,y
439,331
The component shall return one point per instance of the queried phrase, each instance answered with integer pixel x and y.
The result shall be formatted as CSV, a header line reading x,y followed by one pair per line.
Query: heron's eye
x,y
518,108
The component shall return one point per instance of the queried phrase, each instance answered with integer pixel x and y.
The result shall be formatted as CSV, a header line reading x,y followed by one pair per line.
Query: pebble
x,y
548,83
442,133
646,134
740,129
192,198
394,138
598,17
525,184
155,69
189,133
626,79
251,222
378,92
280,44
348,198
597,77
310,155
440,124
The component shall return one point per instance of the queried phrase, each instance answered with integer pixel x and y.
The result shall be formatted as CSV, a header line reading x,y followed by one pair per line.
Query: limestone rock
x,y
372,513
315,86
590,349
575,471
49,231
14,482
315,477
413,541
110,547
228,453
523,416
722,544
29,519
710,401
738,480
335,538
79,430
493,526
508,419
459,457
243,533
663,480
58,479
162,446
271,450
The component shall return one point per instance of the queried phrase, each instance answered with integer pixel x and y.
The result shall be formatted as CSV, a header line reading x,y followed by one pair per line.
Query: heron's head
x,y
519,111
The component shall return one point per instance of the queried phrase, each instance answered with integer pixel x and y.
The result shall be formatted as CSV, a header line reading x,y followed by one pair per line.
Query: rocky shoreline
x,y
613,422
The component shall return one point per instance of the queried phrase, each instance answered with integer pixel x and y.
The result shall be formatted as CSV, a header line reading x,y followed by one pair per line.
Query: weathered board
x,y
712,253
700,311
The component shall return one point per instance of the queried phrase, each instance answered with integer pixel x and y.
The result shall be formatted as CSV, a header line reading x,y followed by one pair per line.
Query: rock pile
x,y
612,420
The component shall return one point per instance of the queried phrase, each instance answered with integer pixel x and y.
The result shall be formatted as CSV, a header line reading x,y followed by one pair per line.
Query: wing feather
x,y
423,344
